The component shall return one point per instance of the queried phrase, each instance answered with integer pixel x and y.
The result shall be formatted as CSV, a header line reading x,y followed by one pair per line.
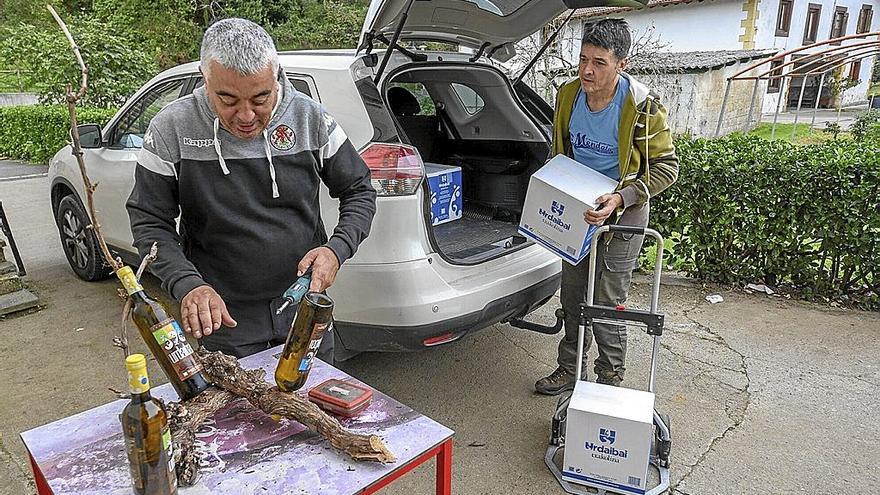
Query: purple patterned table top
x,y
243,450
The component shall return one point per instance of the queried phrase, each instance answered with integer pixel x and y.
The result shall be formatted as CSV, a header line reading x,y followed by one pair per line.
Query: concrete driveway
x,y
766,395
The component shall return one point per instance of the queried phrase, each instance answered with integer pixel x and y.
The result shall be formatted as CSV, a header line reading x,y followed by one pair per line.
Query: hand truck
x,y
653,322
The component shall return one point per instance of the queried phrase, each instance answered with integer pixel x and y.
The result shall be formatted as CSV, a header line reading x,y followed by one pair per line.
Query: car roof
x,y
301,59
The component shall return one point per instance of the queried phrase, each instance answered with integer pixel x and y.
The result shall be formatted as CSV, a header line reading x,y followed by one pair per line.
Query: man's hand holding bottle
x,y
202,310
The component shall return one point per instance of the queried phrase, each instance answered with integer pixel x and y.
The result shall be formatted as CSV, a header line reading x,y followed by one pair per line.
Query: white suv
x,y
411,284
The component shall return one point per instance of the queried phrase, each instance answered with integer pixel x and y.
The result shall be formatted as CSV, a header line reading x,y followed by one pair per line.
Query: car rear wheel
x,y
79,242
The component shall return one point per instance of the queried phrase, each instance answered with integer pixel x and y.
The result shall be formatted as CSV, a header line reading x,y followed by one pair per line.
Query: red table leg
x,y
443,454
39,479
444,469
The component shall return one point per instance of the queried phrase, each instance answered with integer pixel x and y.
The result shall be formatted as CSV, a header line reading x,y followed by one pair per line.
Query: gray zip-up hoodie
x,y
249,209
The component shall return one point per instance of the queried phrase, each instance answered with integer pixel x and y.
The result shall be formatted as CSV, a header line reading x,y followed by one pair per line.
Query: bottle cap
x,y
138,382
136,362
129,280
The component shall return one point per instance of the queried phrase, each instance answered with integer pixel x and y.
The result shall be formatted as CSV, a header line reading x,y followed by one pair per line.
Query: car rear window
x,y
499,7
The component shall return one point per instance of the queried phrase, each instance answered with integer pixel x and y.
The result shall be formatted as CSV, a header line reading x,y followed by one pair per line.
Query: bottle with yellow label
x,y
147,436
313,317
165,338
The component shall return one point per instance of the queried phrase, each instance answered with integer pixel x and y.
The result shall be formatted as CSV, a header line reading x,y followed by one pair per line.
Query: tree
x,y
118,65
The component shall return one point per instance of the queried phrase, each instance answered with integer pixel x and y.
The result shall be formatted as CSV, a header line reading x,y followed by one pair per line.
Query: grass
x,y
803,134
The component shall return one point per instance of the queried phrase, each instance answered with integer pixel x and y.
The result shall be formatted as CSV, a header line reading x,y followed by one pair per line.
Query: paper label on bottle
x,y
168,447
314,344
170,337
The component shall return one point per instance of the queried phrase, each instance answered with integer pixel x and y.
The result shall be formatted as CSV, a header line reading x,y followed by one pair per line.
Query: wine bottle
x,y
147,436
313,317
164,337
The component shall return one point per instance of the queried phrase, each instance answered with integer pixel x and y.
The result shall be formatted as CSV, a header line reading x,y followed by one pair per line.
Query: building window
x,y
865,17
811,28
783,18
838,23
855,70
775,82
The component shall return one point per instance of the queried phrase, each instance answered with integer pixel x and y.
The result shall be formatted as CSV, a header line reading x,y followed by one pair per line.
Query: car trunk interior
x,y
466,116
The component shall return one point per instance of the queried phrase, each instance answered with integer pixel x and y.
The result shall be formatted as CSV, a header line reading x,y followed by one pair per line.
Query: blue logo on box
x,y
557,208
607,435
446,196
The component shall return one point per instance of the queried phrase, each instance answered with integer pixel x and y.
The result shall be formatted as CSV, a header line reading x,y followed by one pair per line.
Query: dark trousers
x,y
615,261
259,328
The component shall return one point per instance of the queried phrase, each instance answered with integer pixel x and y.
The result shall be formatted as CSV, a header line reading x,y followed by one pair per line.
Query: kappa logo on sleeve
x,y
282,138
148,138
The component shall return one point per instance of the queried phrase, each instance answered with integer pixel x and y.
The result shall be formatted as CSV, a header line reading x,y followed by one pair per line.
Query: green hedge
x,y
746,209
35,132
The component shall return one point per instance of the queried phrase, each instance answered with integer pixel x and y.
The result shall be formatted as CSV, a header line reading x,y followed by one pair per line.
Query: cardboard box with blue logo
x,y
608,437
444,181
558,195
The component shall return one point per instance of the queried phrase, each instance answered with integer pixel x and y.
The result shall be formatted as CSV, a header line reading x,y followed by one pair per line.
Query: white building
x,y
738,29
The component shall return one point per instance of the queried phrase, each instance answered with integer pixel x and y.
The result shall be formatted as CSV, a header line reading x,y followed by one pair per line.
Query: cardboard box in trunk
x,y
444,181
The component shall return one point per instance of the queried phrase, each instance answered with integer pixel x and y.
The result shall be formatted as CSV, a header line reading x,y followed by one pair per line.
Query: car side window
x,y
301,86
469,98
426,103
133,125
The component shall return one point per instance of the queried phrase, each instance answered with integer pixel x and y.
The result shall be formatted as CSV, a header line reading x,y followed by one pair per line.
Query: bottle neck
x,y
141,397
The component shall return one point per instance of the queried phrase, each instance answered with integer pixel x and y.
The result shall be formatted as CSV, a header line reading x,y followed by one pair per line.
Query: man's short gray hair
x,y
610,34
240,45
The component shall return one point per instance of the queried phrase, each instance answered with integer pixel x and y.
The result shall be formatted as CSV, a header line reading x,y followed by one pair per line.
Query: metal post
x,y
778,106
7,231
818,97
752,106
723,107
798,112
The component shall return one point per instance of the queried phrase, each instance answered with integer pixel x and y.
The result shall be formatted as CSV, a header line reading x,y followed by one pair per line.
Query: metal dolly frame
x,y
653,322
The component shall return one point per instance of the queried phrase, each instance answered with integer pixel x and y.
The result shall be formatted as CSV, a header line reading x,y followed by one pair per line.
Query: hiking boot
x,y
555,383
609,379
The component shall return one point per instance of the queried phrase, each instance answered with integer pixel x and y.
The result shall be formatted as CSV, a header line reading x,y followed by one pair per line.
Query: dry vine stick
x,y
225,371
72,99
184,419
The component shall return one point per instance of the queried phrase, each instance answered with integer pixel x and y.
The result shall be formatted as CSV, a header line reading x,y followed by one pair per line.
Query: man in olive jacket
x,y
608,121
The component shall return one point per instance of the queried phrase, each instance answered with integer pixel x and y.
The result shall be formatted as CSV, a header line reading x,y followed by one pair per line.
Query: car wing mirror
x,y
89,136
583,4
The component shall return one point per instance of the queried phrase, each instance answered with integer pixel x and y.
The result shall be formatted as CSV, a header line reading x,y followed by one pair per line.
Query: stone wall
x,y
694,100
12,99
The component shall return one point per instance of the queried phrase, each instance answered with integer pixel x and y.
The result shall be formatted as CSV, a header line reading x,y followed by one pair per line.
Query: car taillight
x,y
396,169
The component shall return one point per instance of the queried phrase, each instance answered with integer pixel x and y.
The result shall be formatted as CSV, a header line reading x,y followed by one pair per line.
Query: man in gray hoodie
x,y
240,161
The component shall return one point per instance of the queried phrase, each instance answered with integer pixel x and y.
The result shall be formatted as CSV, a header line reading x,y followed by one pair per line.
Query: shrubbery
x,y
746,209
118,65
35,132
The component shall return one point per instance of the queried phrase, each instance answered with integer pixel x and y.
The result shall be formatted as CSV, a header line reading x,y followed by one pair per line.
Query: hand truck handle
x,y
591,286
628,229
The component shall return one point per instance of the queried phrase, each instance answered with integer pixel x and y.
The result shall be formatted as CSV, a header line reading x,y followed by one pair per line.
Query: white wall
x,y
766,37
706,26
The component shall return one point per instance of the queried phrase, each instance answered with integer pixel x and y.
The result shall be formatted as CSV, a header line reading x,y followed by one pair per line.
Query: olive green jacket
x,y
648,164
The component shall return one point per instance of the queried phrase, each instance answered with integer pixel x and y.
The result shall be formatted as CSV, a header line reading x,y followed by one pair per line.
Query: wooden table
x,y
243,450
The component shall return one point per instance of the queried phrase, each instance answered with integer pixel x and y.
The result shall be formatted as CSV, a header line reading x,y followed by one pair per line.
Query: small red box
x,y
342,398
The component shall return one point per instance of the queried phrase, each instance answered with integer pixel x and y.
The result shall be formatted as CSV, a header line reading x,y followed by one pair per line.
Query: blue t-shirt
x,y
594,135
